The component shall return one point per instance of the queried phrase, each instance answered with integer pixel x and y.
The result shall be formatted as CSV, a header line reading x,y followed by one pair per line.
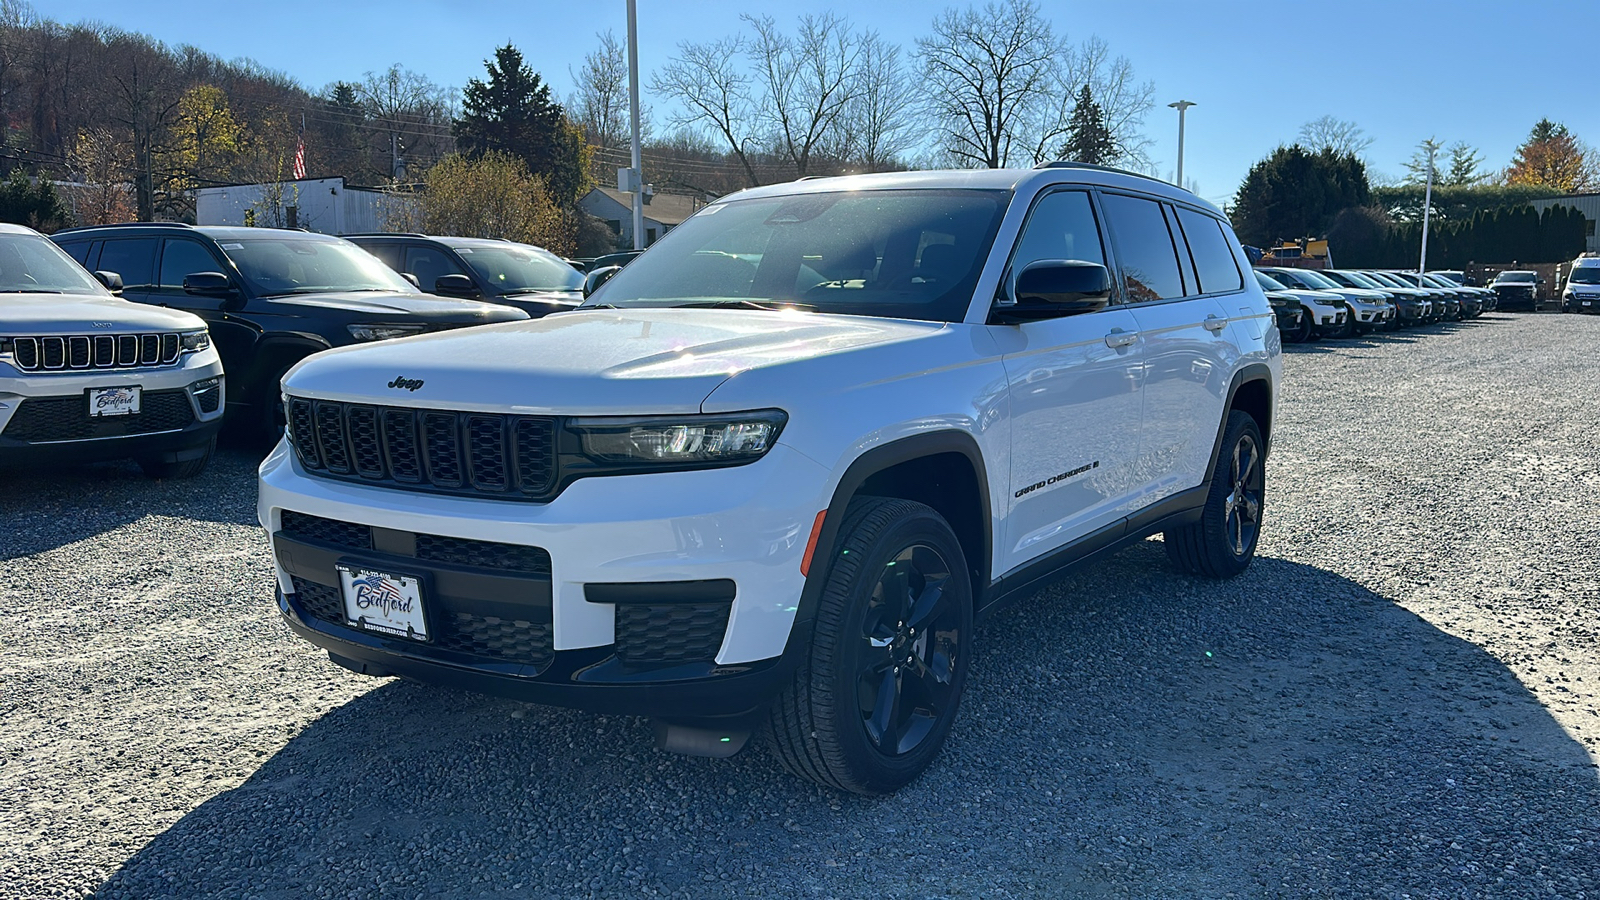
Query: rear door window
x,y
1214,261
132,258
1145,249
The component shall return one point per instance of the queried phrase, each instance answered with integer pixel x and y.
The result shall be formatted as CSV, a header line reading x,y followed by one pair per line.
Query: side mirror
x,y
208,284
593,280
111,280
413,279
455,286
1052,288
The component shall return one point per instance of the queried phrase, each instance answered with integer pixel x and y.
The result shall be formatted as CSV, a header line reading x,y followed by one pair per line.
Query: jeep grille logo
x,y
405,384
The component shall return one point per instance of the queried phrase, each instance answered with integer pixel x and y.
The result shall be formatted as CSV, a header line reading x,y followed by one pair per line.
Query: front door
x,y
1074,389
235,337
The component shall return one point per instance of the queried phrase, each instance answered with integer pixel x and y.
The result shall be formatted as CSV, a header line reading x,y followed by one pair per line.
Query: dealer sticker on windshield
x,y
383,602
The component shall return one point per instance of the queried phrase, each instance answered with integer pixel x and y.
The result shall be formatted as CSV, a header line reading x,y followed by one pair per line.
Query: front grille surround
x,y
501,456
96,352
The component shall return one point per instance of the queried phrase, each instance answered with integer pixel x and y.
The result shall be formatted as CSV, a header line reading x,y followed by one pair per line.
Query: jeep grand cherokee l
x,y
523,276
773,470
86,376
272,297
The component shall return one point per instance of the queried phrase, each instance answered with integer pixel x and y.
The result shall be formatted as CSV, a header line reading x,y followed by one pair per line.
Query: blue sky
x,y
1404,70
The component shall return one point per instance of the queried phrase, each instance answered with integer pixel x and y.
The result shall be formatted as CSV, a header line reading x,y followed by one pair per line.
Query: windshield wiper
x,y
334,290
540,290
743,304
30,291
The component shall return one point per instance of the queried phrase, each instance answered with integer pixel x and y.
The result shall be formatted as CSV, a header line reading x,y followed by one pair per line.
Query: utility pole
x,y
1182,106
1427,208
633,104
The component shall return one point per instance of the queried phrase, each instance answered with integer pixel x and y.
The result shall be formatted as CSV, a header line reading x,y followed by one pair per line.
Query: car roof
x,y
978,179
235,233
8,228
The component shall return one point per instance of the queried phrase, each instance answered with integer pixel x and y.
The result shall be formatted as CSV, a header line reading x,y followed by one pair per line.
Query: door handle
x,y
1119,338
1215,323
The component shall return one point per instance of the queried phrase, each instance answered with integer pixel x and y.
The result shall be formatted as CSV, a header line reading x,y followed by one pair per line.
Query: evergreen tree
x,y
1552,157
1295,193
512,112
1088,138
32,202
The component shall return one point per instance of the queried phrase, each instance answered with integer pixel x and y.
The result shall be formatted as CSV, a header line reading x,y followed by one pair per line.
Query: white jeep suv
x,y
771,472
87,376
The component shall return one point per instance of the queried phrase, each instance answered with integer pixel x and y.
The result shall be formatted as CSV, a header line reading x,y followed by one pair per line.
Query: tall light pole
x,y
1181,106
1427,207
637,178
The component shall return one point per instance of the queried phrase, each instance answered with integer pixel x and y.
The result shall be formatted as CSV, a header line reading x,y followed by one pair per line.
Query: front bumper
x,y
44,417
535,631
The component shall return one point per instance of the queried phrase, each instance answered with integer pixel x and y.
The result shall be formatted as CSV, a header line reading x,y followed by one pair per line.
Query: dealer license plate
x,y
1587,302
383,602
114,401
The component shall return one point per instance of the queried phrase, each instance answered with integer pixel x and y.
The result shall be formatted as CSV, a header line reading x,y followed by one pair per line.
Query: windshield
x,y
520,269
1386,278
1436,281
1585,275
912,254
1268,283
1356,279
1317,280
302,266
32,264
1519,277
1456,279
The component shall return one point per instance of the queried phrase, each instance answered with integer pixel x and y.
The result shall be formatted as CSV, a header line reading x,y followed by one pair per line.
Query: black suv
x,y
271,297
530,278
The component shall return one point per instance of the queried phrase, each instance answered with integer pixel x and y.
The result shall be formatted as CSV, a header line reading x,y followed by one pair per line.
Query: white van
x,y
1582,293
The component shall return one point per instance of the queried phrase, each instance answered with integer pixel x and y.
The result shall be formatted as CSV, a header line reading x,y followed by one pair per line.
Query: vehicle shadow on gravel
x,y
1126,732
51,506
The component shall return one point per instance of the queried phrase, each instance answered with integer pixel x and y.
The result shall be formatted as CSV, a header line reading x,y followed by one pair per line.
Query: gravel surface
x,y
1398,699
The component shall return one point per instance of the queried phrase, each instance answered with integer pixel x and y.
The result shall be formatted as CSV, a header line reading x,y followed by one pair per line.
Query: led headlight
x,y
382,332
678,440
194,341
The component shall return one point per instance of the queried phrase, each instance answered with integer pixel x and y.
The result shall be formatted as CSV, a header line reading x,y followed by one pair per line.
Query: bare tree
x,y
988,72
600,102
146,93
101,169
714,93
878,122
413,113
1336,134
807,80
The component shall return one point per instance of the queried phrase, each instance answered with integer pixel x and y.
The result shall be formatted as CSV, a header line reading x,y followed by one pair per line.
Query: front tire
x,y
872,704
1223,542
1301,332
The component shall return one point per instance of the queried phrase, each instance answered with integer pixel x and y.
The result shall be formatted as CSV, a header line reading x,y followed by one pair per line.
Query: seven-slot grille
x,y
482,454
81,352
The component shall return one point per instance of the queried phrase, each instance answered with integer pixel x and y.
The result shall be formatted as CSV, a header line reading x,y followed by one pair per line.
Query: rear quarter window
x,y
1214,261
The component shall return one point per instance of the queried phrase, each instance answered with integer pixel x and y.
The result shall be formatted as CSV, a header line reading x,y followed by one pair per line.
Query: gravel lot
x,y
1398,699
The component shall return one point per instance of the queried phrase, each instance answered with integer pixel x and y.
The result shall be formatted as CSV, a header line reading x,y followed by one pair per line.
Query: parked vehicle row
x,y
1316,303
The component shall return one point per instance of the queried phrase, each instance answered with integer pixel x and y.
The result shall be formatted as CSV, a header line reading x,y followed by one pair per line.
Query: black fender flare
x,y
1246,374
879,459
269,352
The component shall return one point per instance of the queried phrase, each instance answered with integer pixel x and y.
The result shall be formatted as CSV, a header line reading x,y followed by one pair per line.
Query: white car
x,y
1582,293
87,376
1323,314
1367,310
773,470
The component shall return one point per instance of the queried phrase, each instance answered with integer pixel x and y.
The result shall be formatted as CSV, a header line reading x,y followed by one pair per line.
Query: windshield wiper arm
x,y
743,304
30,291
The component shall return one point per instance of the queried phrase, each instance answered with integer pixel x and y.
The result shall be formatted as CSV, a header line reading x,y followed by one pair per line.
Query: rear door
x,y
1074,389
134,258
1185,328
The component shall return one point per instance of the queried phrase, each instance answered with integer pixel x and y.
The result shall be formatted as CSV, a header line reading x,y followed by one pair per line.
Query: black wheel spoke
x,y
883,726
907,668
927,603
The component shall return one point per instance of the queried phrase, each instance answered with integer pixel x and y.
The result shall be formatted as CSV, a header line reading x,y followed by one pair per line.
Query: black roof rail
x,y
410,234
1069,164
127,225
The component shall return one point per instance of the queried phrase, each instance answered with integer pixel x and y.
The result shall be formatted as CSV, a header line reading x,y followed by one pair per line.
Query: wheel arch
x,y
272,352
1250,392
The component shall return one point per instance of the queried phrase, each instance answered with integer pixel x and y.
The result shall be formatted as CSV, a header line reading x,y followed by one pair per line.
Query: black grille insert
x,y
437,548
46,419
670,632
481,454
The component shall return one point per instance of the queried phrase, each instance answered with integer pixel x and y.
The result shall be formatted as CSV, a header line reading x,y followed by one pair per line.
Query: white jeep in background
x,y
86,376
771,472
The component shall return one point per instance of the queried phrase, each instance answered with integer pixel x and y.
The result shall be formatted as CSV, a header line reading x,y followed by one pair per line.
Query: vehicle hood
x,y
419,307
42,314
589,362
1360,295
1326,298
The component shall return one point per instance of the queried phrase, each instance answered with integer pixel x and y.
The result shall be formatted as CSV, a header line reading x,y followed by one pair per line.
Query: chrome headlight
x,y
195,341
383,332
685,441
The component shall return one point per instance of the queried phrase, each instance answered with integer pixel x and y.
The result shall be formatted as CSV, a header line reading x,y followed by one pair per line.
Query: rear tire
x,y
871,705
1223,542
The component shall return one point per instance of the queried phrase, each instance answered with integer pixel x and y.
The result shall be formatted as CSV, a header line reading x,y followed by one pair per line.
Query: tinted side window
x,y
1145,250
428,264
180,258
391,254
132,258
78,250
1213,258
1062,226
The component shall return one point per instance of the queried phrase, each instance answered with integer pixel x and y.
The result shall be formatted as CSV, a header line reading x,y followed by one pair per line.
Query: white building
x,y
662,212
315,204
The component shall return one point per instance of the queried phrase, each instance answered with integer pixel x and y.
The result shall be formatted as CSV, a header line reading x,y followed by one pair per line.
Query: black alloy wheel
x,y
1302,331
1223,542
875,699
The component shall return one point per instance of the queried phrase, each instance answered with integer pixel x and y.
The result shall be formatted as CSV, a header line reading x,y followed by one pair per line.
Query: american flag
x,y
300,157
